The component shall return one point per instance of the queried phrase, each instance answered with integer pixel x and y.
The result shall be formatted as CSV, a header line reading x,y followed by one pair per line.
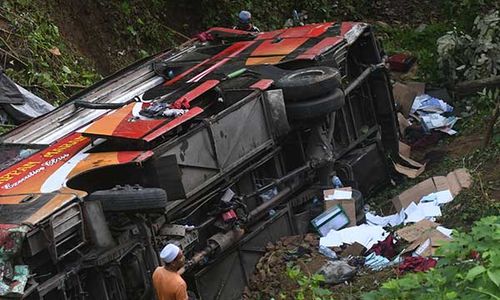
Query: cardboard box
x,y
427,244
403,124
404,149
415,231
404,96
417,87
348,205
408,167
455,181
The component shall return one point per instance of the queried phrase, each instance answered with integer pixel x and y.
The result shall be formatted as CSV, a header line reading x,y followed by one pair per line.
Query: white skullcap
x,y
169,253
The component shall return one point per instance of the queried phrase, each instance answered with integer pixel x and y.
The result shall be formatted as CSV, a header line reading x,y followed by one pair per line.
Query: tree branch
x,y
470,87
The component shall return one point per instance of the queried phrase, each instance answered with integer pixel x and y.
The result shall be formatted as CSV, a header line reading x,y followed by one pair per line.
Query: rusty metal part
x,y
216,244
225,240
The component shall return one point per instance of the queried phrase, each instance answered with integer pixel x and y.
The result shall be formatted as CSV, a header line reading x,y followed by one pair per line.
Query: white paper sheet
x,y
448,130
423,247
423,210
445,230
413,214
429,209
391,220
366,235
339,195
444,197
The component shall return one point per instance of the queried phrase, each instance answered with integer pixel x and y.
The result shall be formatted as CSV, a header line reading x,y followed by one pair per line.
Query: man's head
x,y
245,17
244,20
172,256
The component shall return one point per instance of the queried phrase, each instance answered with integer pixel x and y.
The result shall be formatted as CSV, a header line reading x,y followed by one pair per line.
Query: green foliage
x,y
419,42
38,58
309,285
460,274
487,100
5,128
462,13
468,57
478,201
141,26
269,15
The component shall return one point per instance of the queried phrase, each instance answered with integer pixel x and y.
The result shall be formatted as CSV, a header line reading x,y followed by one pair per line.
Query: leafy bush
x,y
468,57
462,13
309,285
469,269
36,55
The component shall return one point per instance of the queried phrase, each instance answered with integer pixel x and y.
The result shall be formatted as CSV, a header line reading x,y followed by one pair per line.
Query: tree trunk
x,y
473,86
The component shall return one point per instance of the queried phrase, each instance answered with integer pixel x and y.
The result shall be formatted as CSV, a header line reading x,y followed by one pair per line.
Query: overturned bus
x,y
219,145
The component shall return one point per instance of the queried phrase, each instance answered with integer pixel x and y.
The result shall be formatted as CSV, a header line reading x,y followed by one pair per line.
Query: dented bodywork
x,y
208,124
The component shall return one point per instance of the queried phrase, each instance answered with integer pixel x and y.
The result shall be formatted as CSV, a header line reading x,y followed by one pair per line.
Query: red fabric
x,y
475,255
181,103
417,264
205,36
427,140
384,248
229,215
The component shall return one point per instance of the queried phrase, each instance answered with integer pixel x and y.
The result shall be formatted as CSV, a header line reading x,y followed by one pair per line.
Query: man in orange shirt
x,y
167,281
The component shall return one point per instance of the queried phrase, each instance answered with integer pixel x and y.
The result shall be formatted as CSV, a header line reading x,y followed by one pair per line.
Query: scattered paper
x,y
429,209
426,103
392,220
437,198
413,214
445,230
443,197
366,235
448,131
423,210
430,110
376,262
339,195
432,121
423,247
455,181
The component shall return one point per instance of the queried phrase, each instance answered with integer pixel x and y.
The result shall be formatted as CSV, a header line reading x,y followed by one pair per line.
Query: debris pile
x,y
419,205
270,276
424,116
405,241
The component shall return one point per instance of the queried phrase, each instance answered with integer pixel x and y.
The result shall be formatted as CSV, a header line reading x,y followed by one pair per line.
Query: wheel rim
x,y
307,74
